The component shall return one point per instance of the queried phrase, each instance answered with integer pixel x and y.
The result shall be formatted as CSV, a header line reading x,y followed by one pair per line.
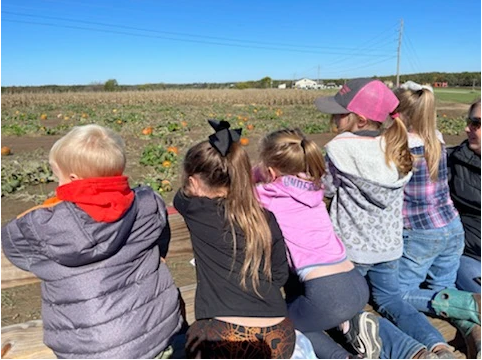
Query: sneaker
x,y
363,335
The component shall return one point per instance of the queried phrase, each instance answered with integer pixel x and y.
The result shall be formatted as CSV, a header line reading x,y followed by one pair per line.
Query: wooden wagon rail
x,y
25,340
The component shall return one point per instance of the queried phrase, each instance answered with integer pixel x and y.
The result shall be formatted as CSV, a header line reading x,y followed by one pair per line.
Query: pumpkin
x,y
43,117
6,150
166,164
147,130
166,185
173,149
184,123
244,141
250,127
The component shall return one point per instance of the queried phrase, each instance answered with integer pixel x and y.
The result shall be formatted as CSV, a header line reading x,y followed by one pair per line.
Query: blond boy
x,y
97,248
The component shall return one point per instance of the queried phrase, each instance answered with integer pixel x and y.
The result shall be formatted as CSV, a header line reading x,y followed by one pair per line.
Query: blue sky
x,y
69,42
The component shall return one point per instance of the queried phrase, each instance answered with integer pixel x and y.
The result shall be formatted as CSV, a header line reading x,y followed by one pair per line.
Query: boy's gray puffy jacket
x,y
105,291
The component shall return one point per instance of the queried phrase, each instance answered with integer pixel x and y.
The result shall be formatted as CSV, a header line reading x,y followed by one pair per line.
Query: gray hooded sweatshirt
x,y
105,291
366,209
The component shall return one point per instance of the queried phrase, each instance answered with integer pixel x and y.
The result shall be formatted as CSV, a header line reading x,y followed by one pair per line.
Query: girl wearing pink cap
x,y
370,163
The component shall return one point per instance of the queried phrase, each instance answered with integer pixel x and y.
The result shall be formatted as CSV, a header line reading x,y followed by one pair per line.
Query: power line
x,y
177,39
416,58
270,44
409,58
386,35
366,65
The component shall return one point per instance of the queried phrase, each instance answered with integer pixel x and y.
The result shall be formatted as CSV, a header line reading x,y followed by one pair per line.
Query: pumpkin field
x,y
158,128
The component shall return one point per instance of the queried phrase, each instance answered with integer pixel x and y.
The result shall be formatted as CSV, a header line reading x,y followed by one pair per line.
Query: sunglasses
x,y
473,123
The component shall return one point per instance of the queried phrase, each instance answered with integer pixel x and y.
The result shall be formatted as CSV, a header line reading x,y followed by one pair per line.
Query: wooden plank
x,y
12,276
180,245
25,341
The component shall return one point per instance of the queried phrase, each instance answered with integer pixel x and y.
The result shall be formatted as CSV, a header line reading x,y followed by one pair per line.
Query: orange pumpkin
x,y
6,150
184,123
173,149
244,141
43,117
250,127
147,130
166,164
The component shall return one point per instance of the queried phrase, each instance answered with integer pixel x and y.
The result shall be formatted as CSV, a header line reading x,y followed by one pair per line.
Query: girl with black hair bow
x,y
240,255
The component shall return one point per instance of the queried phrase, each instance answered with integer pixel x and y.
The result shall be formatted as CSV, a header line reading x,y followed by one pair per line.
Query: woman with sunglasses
x,y
464,181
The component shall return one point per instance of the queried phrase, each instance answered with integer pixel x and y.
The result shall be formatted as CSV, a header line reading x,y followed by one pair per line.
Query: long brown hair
x,y
233,173
418,111
289,152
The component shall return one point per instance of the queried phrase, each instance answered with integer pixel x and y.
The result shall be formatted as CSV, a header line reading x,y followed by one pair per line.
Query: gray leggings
x,y
324,303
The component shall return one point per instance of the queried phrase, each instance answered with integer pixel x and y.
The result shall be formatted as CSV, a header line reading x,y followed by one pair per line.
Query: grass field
x,y
457,95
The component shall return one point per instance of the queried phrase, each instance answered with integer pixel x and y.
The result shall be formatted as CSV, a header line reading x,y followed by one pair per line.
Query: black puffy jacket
x,y
464,181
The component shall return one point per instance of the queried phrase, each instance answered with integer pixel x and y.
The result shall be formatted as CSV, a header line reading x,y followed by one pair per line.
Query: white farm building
x,y
306,84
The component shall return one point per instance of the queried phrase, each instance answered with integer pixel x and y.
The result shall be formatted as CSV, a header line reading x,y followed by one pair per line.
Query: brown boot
x,y
425,354
472,341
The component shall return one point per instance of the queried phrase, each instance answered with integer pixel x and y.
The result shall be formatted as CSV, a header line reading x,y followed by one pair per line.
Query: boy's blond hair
x,y
89,151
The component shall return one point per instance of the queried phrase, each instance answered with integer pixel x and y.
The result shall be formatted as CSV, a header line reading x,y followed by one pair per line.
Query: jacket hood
x,y
302,191
105,199
70,236
361,162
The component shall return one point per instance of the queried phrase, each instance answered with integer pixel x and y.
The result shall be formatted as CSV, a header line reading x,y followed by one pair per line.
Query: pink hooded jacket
x,y
304,221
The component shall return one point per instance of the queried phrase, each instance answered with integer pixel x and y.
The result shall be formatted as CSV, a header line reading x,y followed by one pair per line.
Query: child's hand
x,y
260,174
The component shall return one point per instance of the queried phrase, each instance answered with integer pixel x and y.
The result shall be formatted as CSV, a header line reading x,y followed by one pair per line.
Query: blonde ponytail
x,y
397,149
418,109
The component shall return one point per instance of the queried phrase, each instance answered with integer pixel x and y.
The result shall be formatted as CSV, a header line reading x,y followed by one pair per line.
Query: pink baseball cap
x,y
367,97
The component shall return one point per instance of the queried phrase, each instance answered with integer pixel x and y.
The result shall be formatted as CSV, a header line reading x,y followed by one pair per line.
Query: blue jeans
x,y
469,270
430,257
324,303
395,343
385,290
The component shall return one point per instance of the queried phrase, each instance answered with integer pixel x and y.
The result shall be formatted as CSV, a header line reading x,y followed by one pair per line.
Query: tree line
x,y
465,79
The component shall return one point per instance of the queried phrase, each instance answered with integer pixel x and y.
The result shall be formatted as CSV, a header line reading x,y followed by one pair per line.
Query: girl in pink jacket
x,y
335,294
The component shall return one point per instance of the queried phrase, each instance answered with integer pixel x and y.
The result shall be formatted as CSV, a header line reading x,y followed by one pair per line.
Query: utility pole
x,y
399,51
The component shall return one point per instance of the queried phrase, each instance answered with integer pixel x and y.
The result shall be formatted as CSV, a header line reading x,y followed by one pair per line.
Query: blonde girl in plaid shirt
x,y
433,233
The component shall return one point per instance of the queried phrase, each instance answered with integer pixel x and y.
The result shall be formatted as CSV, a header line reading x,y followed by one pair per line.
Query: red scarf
x,y
105,199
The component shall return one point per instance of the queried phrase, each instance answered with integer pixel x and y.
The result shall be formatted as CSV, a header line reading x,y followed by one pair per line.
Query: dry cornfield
x,y
267,97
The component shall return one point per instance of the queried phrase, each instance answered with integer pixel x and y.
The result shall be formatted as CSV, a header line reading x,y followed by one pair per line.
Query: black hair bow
x,y
223,138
